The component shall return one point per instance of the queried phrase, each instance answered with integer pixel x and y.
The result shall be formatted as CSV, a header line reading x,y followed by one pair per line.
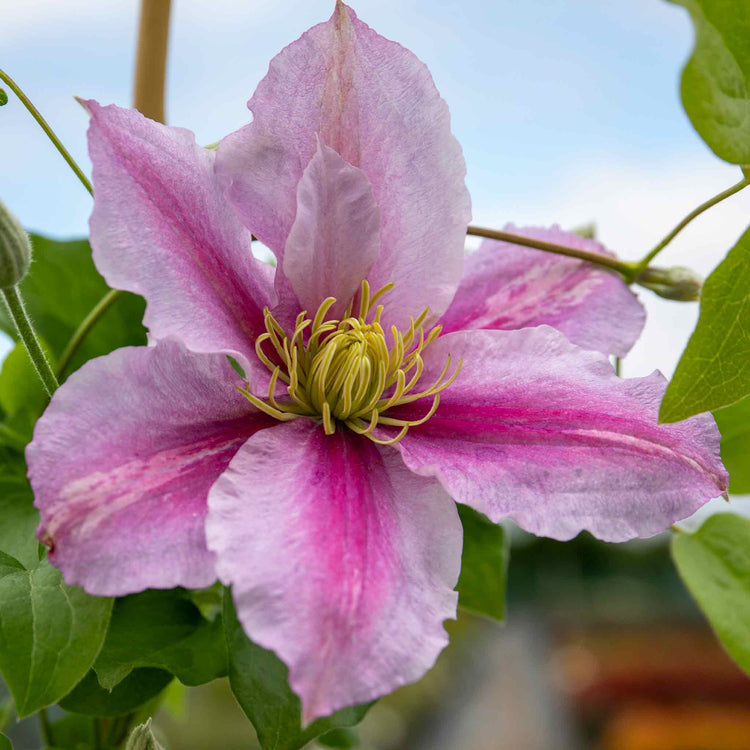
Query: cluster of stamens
x,y
345,371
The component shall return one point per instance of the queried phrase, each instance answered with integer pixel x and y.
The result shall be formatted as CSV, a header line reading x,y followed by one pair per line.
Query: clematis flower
x,y
321,484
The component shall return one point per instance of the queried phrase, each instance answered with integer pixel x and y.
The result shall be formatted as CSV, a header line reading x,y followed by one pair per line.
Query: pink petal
x,y
122,461
543,432
340,560
161,228
335,238
508,286
374,103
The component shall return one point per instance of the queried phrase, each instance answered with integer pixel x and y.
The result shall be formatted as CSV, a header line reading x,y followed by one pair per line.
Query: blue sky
x,y
535,88
567,110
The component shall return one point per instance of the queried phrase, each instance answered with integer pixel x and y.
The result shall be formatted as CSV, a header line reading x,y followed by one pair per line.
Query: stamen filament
x,y
341,370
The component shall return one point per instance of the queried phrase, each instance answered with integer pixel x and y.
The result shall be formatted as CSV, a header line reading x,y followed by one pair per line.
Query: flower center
x,y
345,370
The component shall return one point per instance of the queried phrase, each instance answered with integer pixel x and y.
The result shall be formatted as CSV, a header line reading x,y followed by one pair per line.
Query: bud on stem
x,y
676,283
142,738
15,249
15,258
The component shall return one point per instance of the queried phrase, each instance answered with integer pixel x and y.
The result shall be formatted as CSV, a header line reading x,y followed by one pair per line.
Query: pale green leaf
x,y
716,79
734,425
714,563
714,370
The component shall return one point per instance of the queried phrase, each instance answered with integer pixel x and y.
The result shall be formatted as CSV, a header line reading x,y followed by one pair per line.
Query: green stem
x,y
86,325
628,270
119,729
98,732
47,129
743,183
29,338
46,726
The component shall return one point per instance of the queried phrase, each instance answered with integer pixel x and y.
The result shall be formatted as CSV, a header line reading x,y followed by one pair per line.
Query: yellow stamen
x,y
344,371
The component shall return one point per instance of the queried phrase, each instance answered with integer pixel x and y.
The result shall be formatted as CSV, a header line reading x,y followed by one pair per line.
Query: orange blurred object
x,y
683,727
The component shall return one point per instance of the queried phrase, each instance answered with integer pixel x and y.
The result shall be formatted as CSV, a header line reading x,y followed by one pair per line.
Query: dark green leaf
x,y
5,743
90,698
9,564
714,563
74,732
50,634
62,288
484,565
162,629
340,738
12,464
714,370
734,424
716,80
259,682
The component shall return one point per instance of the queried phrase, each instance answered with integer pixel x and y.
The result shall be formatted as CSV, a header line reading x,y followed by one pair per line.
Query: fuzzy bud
x,y
15,249
677,283
142,738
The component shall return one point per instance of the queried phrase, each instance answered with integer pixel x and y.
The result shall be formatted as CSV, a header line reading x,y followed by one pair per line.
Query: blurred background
x,y
568,112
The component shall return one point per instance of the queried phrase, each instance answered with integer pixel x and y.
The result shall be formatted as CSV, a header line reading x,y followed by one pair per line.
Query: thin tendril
x,y
44,125
741,185
86,325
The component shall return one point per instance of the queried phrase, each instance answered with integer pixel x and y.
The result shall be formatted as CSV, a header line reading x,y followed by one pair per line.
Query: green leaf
x,y
714,370
18,521
734,425
22,396
50,634
5,743
259,682
162,629
484,565
62,288
90,698
716,79
714,563
18,516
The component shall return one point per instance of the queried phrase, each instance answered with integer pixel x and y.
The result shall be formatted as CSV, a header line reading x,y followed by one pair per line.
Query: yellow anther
x,y
344,371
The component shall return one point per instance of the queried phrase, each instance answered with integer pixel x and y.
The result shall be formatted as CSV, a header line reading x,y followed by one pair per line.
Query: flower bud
x,y
677,283
15,249
142,738
3,98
